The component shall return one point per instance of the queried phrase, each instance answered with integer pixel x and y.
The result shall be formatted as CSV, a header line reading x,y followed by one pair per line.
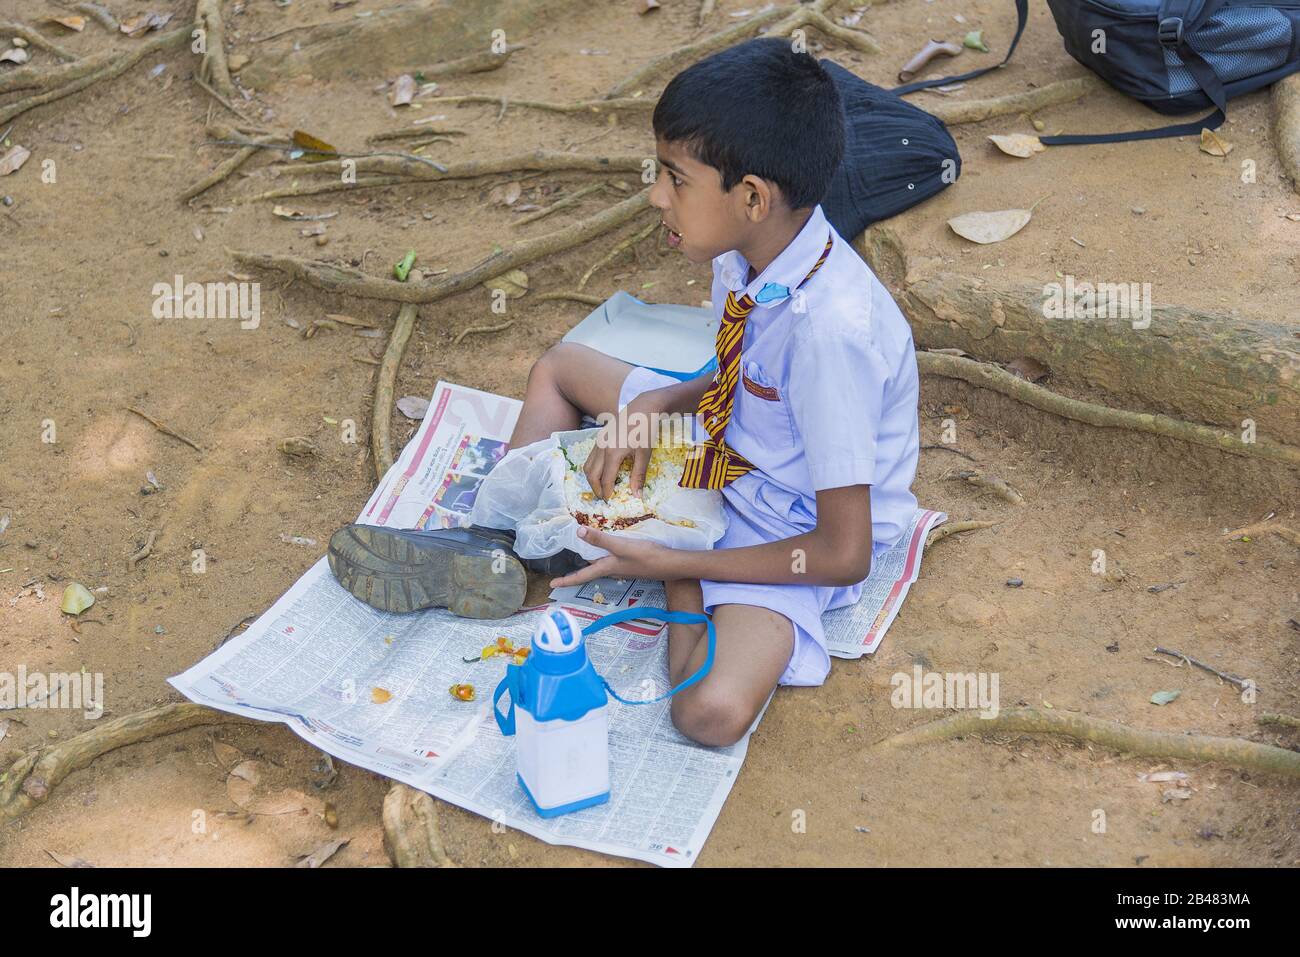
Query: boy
x,y
810,423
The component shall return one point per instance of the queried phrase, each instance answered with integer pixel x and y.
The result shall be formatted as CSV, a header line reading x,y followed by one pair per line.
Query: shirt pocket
x,y
764,407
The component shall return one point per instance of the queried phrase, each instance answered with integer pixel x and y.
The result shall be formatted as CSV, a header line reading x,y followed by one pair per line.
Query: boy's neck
x,y
773,241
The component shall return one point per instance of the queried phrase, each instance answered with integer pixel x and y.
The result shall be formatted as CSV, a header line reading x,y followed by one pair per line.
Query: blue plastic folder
x,y
675,340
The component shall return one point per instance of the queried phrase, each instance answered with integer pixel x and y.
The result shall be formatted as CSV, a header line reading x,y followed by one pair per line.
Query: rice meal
x,y
623,509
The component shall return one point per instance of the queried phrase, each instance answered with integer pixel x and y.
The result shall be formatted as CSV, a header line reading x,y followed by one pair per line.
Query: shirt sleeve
x,y
837,380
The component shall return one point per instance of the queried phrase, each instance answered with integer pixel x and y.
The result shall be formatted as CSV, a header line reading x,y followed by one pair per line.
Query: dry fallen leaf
x,y
13,161
514,283
1018,144
413,407
322,854
991,227
244,787
134,26
403,91
318,149
1029,369
380,695
1214,144
72,23
228,756
507,194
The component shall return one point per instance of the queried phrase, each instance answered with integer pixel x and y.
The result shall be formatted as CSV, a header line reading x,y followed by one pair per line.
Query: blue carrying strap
x,y
676,617
506,722
509,683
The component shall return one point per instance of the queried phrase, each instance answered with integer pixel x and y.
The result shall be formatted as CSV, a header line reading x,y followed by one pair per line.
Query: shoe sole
x,y
395,574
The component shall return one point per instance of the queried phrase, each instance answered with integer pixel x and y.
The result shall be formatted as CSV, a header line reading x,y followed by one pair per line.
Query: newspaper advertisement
x,y
373,688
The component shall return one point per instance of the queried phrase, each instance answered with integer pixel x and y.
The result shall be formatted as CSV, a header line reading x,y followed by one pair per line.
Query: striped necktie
x,y
713,464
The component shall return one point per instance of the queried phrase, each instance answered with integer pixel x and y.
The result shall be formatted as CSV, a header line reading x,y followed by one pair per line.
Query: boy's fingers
x,y
640,462
583,575
609,474
591,468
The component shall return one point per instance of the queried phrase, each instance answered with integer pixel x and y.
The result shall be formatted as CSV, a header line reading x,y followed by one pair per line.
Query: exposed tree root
x,y
411,133
1285,103
987,376
976,110
532,161
783,20
32,777
953,528
1235,752
83,73
213,67
474,63
329,186
1260,529
352,282
381,443
857,39
100,14
227,166
39,40
1279,720
620,247
477,330
564,202
638,104
411,829
992,483
575,296
407,172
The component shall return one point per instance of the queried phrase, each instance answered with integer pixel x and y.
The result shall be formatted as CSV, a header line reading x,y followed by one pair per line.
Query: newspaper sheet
x,y
373,689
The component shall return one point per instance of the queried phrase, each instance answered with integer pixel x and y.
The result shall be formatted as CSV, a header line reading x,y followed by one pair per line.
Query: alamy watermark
x,y
209,300
83,691
942,690
1102,300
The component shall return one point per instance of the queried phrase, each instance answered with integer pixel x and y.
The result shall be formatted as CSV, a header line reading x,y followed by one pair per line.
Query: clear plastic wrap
x,y
525,492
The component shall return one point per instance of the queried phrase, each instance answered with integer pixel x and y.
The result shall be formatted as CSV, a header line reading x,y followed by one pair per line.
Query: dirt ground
x,y
80,345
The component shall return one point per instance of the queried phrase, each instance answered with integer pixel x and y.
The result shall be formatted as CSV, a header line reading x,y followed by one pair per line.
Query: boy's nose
x,y
658,194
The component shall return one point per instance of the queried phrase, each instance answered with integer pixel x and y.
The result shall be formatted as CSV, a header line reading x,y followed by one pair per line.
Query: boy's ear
x,y
758,197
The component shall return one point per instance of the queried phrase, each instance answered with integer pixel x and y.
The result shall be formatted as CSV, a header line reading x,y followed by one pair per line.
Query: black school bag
x,y
1173,55
895,155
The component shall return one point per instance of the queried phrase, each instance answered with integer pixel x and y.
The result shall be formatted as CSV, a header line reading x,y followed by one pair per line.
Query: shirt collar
x,y
787,270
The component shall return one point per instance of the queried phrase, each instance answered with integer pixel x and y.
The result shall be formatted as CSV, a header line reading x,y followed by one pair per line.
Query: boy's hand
x,y
627,558
630,434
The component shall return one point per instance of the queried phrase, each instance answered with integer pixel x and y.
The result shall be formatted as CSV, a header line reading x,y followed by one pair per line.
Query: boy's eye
x,y
673,178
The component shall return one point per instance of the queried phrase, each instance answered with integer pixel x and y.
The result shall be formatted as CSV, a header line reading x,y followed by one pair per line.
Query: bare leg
x,y
754,647
567,381
683,595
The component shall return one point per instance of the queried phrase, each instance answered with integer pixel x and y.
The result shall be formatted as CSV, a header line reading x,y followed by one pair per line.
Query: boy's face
x,y
702,221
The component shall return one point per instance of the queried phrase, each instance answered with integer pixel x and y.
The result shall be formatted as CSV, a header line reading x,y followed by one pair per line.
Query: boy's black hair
x,y
759,108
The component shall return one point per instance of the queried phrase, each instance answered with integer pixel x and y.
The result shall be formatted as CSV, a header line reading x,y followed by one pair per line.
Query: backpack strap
x,y
1176,23
1178,19
1022,16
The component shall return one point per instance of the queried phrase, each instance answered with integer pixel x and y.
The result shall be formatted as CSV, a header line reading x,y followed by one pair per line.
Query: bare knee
x,y
711,717
556,364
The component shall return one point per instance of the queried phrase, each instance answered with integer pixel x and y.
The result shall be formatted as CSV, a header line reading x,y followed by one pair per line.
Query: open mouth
x,y
674,237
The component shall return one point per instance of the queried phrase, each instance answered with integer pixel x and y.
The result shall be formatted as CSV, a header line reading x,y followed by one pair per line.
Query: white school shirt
x,y
828,394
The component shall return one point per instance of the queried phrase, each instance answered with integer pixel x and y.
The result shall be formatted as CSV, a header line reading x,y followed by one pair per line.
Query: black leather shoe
x,y
472,572
561,563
